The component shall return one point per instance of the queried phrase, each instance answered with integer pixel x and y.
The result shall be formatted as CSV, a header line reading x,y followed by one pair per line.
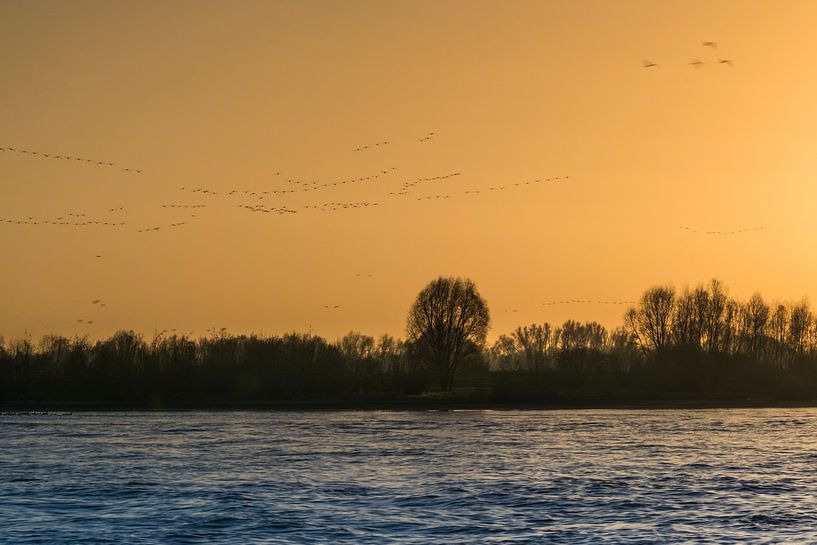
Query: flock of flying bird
x,y
404,189
160,227
375,145
722,233
44,155
184,206
96,302
303,186
266,210
62,223
579,301
426,137
332,206
306,186
695,63
340,205
587,301
79,220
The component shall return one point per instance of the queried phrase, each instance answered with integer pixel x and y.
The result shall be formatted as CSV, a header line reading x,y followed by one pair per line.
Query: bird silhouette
x,y
649,64
725,61
697,63
713,45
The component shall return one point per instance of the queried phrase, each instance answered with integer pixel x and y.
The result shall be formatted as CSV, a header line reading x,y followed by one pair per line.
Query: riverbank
x,y
403,405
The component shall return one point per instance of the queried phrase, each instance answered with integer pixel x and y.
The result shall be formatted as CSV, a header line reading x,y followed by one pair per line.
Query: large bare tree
x,y
651,321
447,322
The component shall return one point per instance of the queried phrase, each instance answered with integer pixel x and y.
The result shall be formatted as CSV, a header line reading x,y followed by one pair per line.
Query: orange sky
x,y
223,95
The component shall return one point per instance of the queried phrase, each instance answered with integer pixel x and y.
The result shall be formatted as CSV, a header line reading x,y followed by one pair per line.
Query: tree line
x,y
694,344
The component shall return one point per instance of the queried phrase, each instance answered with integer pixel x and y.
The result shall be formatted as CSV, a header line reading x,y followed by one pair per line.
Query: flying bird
x,y
725,61
697,63
713,45
649,64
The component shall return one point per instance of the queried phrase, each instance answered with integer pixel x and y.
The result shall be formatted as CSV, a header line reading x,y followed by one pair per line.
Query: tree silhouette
x,y
448,320
692,344
651,322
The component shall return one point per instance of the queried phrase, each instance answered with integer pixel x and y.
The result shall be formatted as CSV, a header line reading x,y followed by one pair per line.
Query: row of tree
x,y
697,343
707,319
704,320
126,368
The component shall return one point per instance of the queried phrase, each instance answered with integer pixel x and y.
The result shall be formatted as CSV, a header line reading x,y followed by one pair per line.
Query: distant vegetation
x,y
696,344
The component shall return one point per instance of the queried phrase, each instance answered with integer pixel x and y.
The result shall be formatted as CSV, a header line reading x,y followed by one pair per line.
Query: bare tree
x,y
388,351
534,340
55,346
728,336
714,320
800,319
778,331
505,353
689,322
755,319
651,322
571,335
685,330
356,346
22,348
448,321
358,351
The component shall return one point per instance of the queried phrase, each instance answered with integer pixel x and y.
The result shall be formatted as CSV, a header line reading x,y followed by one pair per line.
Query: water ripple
x,y
686,476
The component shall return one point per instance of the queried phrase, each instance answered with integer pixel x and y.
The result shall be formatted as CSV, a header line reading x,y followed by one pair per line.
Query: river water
x,y
577,476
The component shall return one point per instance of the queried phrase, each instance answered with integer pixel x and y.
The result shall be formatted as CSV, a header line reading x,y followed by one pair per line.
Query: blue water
x,y
695,476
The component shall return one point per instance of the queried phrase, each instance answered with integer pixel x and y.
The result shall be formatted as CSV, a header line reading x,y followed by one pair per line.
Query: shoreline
x,y
404,405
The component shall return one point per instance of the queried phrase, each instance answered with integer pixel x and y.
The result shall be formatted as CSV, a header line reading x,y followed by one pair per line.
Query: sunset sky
x,y
224,95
